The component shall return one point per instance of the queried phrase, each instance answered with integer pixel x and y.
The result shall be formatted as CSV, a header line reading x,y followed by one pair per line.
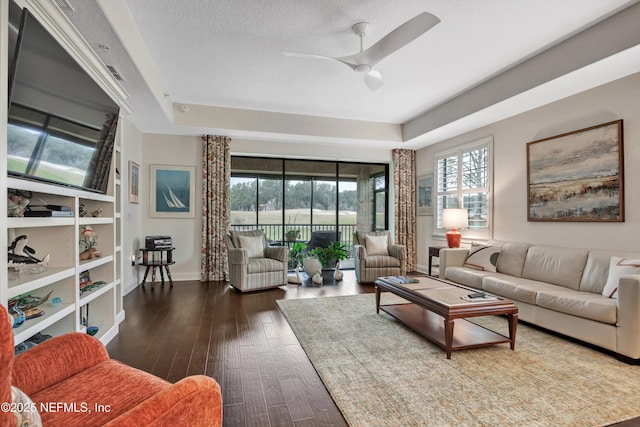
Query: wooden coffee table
x,y
430,300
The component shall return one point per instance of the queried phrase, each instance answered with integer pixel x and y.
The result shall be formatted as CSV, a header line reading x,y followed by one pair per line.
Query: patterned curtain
x,y
404,184
216,212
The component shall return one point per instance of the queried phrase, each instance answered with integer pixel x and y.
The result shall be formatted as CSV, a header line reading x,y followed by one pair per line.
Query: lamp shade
x,y
455,218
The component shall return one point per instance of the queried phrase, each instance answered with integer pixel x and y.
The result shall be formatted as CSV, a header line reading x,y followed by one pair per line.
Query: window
x,y
463,179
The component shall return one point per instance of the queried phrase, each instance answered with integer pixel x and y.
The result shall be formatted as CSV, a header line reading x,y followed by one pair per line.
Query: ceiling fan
x,y
366,59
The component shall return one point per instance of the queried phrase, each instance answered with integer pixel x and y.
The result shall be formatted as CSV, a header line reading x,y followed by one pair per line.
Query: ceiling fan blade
x,y
314,56
373,80
395,40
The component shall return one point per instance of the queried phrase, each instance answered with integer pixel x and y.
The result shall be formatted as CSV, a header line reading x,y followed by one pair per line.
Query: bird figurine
x,y
21,254
317,278
97,213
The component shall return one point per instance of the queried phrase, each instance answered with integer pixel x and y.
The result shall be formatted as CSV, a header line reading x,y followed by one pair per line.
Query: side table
x,y
434,251
160,258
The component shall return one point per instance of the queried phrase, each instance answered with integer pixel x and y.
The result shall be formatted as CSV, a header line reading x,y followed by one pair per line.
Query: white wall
x,y
616,100
173,150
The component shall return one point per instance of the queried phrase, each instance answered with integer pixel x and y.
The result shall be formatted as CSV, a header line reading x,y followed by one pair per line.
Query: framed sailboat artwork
x,y
172,191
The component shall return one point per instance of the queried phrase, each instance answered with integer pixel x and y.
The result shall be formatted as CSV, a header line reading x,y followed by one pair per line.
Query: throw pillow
x,y
28,416
619,267
376,245
484,258
253,245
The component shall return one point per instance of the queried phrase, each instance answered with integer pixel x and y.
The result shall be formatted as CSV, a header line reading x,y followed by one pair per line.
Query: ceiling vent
x,y
64,5
115,73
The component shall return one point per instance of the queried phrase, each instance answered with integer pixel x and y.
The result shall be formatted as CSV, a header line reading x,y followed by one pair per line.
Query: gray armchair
x,y
253,264
377,256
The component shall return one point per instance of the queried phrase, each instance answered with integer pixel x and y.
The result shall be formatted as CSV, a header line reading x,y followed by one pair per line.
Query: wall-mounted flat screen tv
x,y
61,125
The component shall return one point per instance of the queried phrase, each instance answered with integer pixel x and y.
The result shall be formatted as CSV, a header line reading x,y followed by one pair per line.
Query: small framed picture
x,y
134,182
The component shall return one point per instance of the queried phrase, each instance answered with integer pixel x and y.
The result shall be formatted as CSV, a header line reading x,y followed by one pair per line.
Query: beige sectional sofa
x,y
560,289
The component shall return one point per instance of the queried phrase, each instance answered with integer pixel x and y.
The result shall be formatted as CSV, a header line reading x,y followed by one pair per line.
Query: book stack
x,y
85,280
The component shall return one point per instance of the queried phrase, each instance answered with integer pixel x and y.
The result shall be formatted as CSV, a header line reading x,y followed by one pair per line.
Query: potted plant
x,y
324,256
292,235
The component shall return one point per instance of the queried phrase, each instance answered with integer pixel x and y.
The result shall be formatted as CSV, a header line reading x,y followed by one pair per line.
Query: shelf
x,y
29,282
90,220
39,222
95,262
89,296
51,316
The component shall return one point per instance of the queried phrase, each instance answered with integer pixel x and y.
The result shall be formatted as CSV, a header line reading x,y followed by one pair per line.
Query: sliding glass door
x,y
306,200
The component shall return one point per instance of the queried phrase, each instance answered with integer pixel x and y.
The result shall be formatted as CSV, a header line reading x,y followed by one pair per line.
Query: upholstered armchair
x,y
376,256
253,264
72,382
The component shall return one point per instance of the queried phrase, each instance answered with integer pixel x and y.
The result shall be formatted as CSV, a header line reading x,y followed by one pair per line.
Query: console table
x,y
160,258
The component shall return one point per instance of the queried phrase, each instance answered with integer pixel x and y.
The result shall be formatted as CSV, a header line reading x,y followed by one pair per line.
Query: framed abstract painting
x,y
172,191
577,176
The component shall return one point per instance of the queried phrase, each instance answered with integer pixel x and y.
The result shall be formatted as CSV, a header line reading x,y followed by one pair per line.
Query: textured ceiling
x,y
227,53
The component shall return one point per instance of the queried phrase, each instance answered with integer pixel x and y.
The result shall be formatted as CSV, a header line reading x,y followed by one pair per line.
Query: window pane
x,y
447,174
380,211
297,213
270,205
476,204
243,200
475,168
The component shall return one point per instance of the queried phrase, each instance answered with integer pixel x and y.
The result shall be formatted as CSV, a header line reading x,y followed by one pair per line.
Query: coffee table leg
x,y
513,325
448,336
377,299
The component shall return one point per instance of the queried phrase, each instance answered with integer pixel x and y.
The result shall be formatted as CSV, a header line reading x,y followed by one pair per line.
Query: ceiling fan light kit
x,y
366,59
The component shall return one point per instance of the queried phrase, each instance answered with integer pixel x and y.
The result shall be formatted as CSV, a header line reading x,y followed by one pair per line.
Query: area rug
x,y
380,373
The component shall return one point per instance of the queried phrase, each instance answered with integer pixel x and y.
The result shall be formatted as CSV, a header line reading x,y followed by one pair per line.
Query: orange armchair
x,y
77,384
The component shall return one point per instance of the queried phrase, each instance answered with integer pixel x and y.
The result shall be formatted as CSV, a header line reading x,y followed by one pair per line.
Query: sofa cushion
x,y
99,385
619,267
515,288
483,257
380,261
376,245
264,265
582,304
24,410
467,276
596,271
253,245
556,265
511,259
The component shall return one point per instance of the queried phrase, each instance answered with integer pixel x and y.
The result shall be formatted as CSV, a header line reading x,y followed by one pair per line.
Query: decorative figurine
x,y
82,212
21,254
17,202
97,213
317,278
88,241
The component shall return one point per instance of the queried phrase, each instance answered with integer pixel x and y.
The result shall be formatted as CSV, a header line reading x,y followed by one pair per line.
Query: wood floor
x,y
241,340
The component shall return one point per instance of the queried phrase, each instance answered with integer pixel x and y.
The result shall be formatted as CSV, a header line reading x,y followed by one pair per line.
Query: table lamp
x,y
454,219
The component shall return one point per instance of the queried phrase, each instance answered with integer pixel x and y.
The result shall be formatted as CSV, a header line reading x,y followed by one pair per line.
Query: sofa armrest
x,y
397,251
193,401
281,253
238,256
56,359
628,339
360,252
451,257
